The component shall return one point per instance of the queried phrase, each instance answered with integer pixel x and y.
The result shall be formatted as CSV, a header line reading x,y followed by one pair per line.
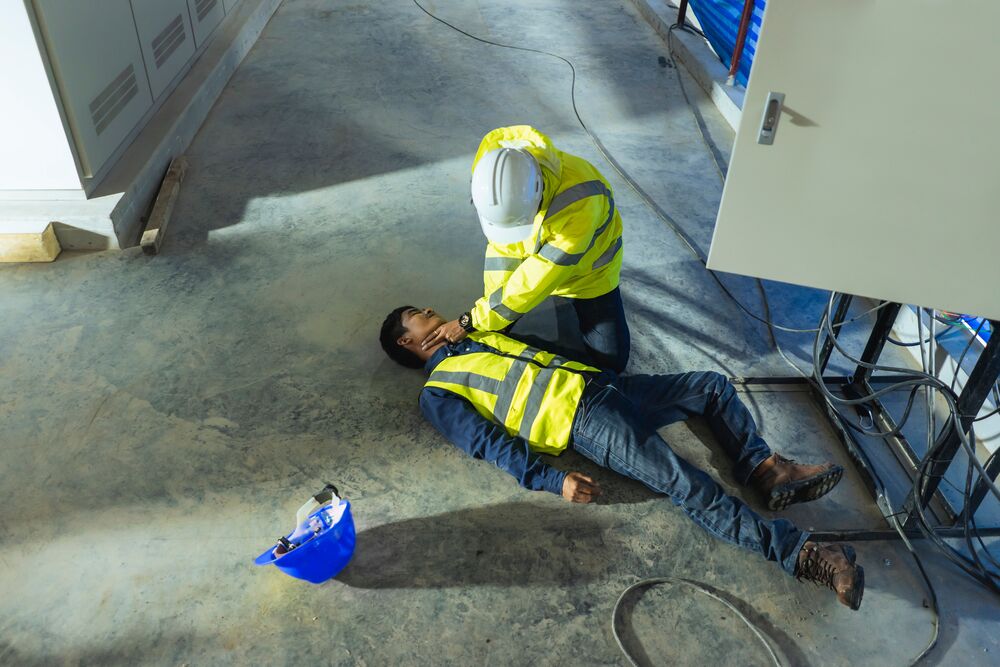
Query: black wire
x,y
968,346
968,565
966,522
902,344
958,366
817,380
690,244
688,27
974,567
643,195
979,572
995,411
972,517
701,588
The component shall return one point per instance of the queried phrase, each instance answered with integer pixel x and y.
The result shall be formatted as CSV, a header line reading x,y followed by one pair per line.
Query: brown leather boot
x,y
833,566
784,482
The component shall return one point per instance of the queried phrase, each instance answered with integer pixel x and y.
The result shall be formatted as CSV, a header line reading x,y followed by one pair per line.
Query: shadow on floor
x,y
300,116
510,544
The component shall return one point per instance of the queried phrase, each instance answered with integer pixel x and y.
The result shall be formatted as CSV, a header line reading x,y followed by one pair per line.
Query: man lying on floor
x,y
503,401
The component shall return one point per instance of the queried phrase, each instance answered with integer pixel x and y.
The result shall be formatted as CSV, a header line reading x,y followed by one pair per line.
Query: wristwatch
x,y
465,321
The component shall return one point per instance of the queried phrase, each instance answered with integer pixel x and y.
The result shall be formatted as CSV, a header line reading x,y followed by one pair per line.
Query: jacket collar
x,y
470,344
437,357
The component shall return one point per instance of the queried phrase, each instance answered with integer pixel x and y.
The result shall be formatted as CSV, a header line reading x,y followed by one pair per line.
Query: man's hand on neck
x,y
449,332
427,353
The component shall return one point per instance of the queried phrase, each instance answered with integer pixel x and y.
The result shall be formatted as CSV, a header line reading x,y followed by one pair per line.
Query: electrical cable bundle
x,y
988,572
972,564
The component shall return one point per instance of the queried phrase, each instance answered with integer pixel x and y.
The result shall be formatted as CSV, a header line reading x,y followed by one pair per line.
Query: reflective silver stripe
x,y
533,404
505,396
533,352
611,214
467,379
604,225
529,352
574,194
560,257
558,361
609,254
501,263
496,305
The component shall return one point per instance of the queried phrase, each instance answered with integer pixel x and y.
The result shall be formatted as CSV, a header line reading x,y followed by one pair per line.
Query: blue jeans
x,y
605,331
615,426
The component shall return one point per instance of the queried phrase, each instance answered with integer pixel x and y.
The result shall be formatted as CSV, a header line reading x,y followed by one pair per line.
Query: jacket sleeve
x,y
529,284
477,436
554,261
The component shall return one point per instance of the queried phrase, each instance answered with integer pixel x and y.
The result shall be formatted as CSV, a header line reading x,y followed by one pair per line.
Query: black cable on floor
x,y
676,228
701,588
930,381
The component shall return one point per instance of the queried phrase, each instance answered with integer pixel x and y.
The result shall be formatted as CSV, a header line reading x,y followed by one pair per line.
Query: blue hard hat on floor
x,y
321,544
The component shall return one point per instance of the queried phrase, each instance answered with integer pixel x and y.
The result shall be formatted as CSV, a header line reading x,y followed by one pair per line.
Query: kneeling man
x,y
503,401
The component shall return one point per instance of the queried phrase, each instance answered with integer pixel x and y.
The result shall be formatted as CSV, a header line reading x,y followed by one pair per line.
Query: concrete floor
x,y
164,417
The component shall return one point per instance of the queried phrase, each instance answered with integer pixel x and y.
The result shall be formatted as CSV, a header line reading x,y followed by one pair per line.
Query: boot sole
x,y
858,591
804,490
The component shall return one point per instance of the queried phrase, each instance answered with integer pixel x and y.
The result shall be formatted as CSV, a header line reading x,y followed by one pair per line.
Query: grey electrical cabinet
x,y
205,16
97,62
866,157
230,4
113,61
166,39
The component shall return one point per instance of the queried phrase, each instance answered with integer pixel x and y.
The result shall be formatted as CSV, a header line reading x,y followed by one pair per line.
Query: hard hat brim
x,y
505,235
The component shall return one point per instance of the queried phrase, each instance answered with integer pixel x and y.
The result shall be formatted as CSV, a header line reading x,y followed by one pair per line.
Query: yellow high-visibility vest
x,y
531,393
575,249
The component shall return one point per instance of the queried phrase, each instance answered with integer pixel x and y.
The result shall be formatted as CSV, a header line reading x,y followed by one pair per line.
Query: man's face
x,y
420,323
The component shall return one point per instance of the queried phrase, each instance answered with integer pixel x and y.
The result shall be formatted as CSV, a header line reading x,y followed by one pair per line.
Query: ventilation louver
x,y
203,7
115,96
167,41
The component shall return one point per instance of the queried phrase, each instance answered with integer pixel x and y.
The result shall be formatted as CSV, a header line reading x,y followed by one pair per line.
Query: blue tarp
x,y
720,20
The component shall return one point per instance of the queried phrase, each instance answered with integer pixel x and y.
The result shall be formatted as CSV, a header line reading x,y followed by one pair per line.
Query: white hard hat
x,y
506,190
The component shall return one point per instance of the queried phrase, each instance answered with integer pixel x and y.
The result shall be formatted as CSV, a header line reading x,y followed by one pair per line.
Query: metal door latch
x,y
769,123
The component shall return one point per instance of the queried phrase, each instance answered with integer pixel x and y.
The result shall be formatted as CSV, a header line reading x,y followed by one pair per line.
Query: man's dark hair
x,y
392,330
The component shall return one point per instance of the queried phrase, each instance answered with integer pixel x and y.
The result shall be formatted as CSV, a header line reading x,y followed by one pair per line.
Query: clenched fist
x,y
578,488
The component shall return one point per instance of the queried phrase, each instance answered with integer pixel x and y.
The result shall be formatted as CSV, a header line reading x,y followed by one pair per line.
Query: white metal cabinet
x,y
881,179
164,31
205,15
97,62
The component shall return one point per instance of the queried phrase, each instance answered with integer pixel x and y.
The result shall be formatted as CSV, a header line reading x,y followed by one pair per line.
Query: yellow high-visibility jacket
x,y
531,393
575,249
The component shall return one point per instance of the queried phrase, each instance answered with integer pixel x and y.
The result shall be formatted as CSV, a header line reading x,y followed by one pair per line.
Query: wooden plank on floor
x,y
40,246
152,236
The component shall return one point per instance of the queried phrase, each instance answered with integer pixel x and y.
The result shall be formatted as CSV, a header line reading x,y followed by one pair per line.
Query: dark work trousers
x,y
615,426
605,331
605,335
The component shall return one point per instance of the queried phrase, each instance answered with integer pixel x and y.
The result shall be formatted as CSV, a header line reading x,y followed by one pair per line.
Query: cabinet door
x,y
98,66
165,36
205,15
231,4
882,162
